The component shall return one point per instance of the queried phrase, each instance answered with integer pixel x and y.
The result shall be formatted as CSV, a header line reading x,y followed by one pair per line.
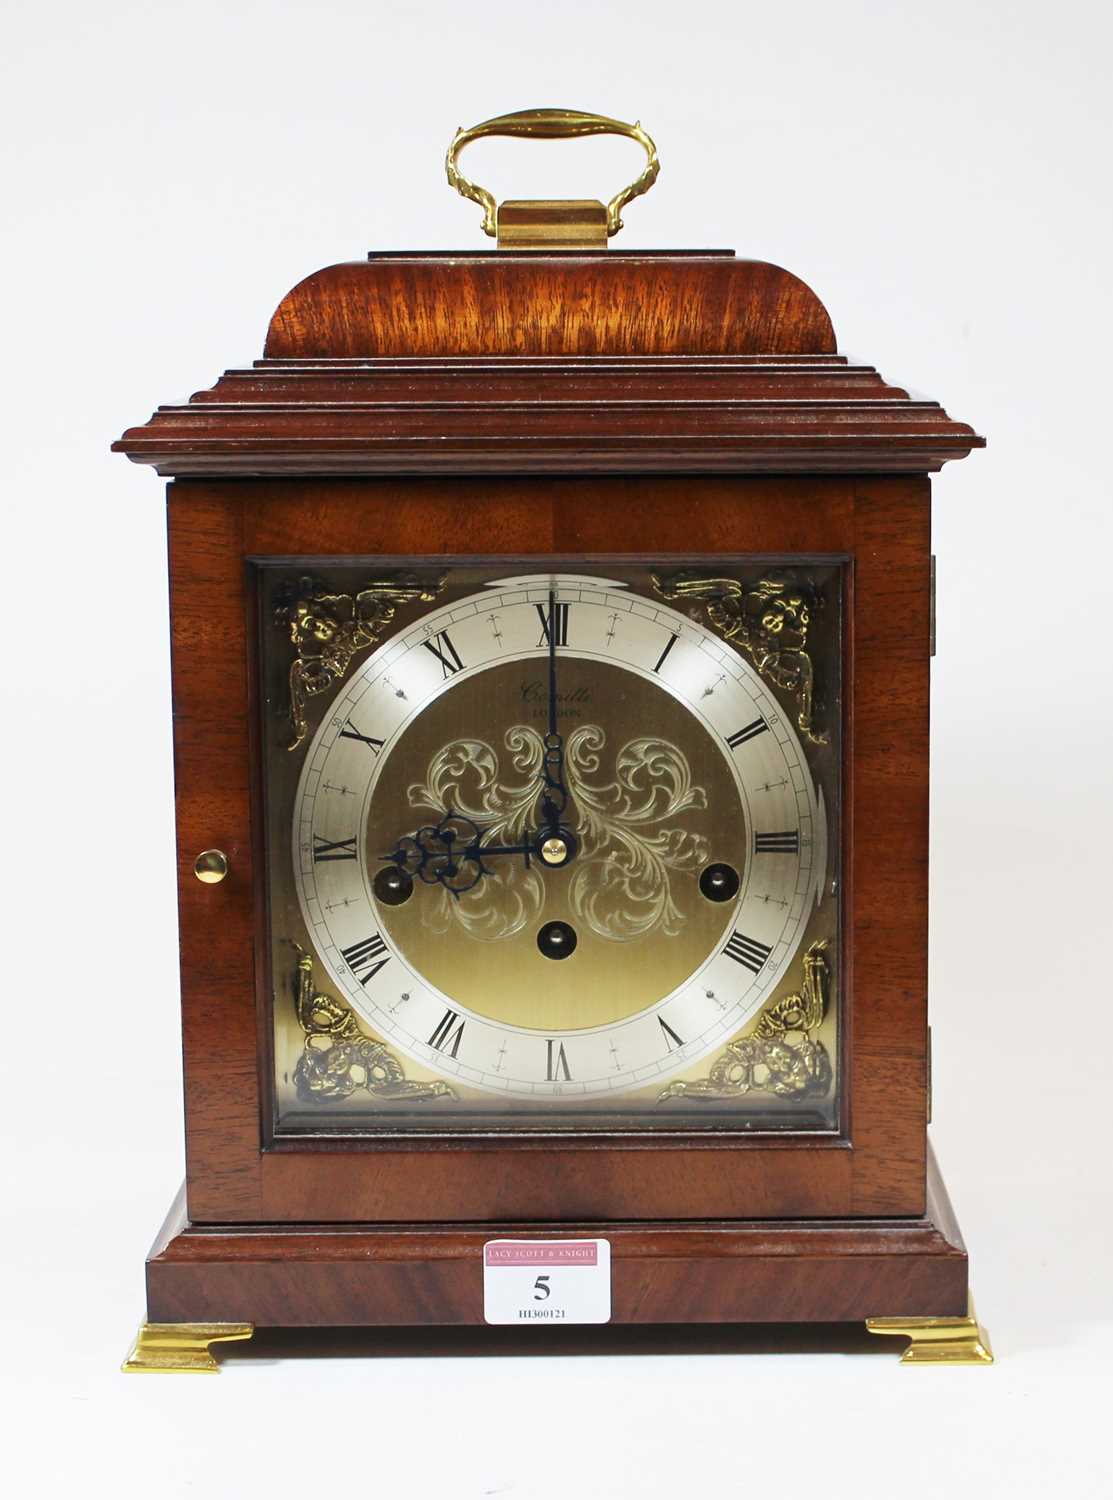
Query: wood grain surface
x,y
672,302
879,524
394,1274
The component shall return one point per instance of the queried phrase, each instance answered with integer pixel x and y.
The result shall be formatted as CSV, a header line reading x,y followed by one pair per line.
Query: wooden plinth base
x,y
343,1276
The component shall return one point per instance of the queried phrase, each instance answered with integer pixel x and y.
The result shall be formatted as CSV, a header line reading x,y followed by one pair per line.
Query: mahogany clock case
x,y
532,408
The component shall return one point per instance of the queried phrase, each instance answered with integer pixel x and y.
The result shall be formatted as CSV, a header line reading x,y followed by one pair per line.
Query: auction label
x,y
547,1281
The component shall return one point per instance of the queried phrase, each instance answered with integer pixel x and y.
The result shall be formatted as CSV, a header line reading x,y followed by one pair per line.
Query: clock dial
x,y
555,841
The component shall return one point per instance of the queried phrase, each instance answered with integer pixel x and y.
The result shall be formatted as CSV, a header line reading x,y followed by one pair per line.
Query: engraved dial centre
x,y
652,801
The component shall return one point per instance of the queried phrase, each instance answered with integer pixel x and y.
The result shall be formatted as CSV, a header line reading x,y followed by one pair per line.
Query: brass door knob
x,y
211,866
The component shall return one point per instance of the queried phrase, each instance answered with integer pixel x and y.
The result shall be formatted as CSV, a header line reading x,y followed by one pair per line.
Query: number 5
x,y
541,1288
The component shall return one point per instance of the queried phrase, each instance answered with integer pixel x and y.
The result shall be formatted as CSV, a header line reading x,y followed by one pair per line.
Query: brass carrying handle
x,y
551,125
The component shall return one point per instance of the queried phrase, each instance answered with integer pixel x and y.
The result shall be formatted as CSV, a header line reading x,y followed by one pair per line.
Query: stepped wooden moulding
x,y
534,414
484,364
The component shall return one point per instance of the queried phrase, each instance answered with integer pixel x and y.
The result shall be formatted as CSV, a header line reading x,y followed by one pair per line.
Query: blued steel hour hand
x,y
451,853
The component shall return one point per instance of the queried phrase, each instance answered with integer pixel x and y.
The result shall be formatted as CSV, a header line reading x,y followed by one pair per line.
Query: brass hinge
x,y
931,609
930,1078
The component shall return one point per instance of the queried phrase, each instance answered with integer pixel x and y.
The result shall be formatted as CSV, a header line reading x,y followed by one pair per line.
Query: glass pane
x,y
552,846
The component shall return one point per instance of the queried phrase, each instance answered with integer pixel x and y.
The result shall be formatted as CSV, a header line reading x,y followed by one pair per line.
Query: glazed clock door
x,y
552,849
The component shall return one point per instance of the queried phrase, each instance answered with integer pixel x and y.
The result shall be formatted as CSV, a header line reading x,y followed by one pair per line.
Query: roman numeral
x,y
747,951
672,1041
324,850
446,653
446,1037
350,732
669,644
365,955
561,611
556,1066
759,726
777,843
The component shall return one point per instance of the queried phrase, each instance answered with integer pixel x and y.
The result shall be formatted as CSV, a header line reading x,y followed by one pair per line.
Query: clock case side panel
x,y
877,1169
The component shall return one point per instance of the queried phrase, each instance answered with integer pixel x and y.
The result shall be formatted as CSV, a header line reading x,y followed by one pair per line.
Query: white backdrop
x,y
940,176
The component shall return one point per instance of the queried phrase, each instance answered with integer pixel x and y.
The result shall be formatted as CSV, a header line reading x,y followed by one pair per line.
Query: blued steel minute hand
x,y
555,800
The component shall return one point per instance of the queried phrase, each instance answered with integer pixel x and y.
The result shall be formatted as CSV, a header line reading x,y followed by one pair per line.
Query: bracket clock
x,y
551,632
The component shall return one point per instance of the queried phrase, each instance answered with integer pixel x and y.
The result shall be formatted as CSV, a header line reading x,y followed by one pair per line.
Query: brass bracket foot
x,y
939,1341
169,1348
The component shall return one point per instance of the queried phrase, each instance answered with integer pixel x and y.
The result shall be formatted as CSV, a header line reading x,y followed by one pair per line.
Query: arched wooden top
x,y
495,303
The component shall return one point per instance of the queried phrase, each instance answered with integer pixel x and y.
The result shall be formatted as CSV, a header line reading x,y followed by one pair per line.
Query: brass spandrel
x,y
340,1058
328,629
769,620
779,1054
